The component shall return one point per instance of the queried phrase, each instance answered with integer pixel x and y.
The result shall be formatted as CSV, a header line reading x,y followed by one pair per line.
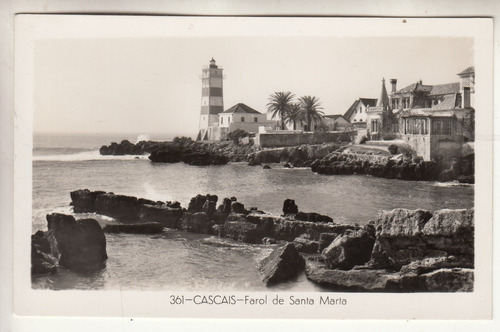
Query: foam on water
x,y
83,156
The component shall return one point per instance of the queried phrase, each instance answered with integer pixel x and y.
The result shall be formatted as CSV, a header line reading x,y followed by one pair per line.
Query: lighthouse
x,y
211,100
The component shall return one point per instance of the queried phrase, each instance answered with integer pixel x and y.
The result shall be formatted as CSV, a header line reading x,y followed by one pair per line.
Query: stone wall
x,y
277,139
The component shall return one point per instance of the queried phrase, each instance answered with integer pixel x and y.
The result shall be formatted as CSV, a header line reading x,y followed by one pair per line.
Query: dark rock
x,y
121,207
451,231
284,263
225,207
430,264
196,223
313,217
348,250
209,207
237,207
142,228
174,205
266,167
84,200
254,163
289,207
286,165
466,179
446,175
325,239
167,216
81,243
243,231
305,245
43,260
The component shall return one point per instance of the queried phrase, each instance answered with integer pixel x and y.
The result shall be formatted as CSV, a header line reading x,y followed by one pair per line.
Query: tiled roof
x,y
334,116
369,101
241,108
449,102
444,89
415,87
469,70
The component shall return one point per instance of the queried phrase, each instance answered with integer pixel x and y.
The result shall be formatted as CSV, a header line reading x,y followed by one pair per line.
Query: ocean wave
x,y
452,184
82,156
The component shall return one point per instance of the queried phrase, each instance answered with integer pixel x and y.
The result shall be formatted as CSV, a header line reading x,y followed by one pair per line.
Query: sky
x,y
153,86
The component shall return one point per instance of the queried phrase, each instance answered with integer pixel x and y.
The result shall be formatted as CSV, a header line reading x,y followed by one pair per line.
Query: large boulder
x,y
399,238
451,231
196,223
284,263
307,246
142,228
198,202
83,200
325,239
121,207
430,264
350,249
80,243
166,216
289,207
288,230
43,260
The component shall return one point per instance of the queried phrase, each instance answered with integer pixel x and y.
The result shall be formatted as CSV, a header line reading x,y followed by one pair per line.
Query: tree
x,y
279,104
236,135
311,108
294,116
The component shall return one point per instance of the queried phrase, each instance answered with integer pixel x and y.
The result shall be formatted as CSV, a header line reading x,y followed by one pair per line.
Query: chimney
x,y
393,84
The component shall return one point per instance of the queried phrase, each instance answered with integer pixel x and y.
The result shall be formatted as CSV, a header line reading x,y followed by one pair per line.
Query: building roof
x,y
444,89
427,112
383,100
366,101
334,116
469,70
415,87
449,102
241,108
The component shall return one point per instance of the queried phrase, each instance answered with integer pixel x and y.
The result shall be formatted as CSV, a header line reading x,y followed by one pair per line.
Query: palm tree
x,y
311,108
295,115
279,105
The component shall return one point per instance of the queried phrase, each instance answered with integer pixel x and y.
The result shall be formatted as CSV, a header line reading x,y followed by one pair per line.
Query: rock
x,y
446,175
287,165
288,230
399,238
429,264
163,214
466,179
289,207
305,245
225,207
237,227
325,239
348,250
142,228
43,261
283,264
81,243
121,207
266,167
313,217
84,200
196,223
448,280
237,207
351,280
451,231
209,207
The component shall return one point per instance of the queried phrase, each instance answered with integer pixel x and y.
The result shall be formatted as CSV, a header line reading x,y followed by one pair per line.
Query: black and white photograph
x,y
245,163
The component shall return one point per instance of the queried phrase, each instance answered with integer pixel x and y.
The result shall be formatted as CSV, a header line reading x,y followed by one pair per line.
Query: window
x,y
255,120
360,109
221,120
242,119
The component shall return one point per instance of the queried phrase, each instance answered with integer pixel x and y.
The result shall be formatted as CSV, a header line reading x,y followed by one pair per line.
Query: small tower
x,y
211,99
383,100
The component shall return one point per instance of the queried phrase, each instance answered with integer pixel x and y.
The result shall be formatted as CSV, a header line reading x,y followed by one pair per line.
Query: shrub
x,y
182,139
363,140
406,150
393,149
236,135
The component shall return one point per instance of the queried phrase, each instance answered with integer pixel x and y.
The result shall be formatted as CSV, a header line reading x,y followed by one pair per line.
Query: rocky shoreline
x,y
325,159
401,251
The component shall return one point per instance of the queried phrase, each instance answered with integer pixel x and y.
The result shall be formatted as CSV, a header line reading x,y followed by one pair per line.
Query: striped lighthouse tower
x,y
211,99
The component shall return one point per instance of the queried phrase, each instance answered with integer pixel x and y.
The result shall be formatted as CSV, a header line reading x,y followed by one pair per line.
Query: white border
x,y
7,11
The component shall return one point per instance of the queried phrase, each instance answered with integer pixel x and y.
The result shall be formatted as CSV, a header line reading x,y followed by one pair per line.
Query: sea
x,y
179,260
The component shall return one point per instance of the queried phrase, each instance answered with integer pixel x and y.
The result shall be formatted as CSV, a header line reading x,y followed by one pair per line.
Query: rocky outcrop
x,y
313,217
296,156
142,228
198,222
167,216
81,244
284,263
289,207
84,200
43,260
305,245
350,249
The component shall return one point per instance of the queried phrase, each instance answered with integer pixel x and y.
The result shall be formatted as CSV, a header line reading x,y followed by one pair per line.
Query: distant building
x,y
336,122
435,120
356,114
243,117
